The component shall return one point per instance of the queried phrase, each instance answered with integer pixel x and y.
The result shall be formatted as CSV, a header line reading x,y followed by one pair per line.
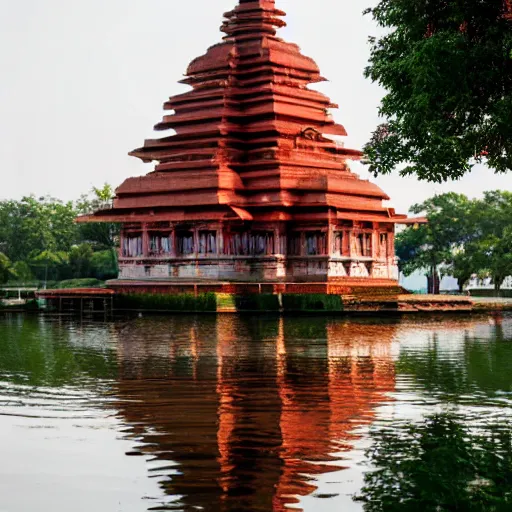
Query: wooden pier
x,y
79,300
16,295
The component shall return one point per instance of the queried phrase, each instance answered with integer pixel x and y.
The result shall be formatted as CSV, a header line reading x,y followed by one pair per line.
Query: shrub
x,y
104,265
88,282
312,302
484,292
186,302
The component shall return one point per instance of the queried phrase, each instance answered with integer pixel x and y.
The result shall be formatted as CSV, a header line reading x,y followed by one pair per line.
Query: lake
x,y
241,413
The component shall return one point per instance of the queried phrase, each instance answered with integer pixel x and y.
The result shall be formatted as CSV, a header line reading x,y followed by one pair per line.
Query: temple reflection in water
x,y
239,413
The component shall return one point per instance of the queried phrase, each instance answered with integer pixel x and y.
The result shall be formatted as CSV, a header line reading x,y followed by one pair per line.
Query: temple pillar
x,y
352,243
330,240
120,252
220,239
332,222
282,241
375,241
195,238
172,236
375,253
391,244
345,249
145,240
391,253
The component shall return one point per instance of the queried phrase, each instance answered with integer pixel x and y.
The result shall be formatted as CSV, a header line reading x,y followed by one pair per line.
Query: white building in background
x,y
418,282
487,284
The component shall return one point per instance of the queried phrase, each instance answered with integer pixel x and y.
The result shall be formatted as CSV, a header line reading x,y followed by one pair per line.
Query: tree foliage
x,y
440,465
446,67
40,239
104,235
36,225
434,244
80,260
5,268
493,247
462,237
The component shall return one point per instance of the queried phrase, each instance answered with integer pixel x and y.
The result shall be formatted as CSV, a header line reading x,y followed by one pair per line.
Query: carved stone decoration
x,y
312,134
358,269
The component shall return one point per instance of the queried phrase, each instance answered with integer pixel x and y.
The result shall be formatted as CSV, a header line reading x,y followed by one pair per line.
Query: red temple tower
x,y
250,185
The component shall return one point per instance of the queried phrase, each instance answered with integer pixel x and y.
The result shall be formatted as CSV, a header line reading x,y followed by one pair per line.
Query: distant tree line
x,y
463,237
41,242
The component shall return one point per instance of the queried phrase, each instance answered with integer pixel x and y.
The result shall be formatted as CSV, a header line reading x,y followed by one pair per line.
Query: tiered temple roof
x,y
250,139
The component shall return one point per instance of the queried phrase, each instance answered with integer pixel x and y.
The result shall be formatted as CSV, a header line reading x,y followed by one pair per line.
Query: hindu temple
x,y
252,180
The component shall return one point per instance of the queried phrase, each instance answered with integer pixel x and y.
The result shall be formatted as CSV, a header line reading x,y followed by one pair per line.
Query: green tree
x,y
104,236
19,234
64,231
492,247
104,195
462,266
80,260
103,265
5,268
22,272
431,246
36,225
48,265
41,236
447,71
462,238
495,256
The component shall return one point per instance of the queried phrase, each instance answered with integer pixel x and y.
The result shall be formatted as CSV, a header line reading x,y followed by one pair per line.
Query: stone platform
x,y
346,286
349,296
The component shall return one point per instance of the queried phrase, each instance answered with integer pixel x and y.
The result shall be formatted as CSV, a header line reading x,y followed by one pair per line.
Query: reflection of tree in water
x,y
440,465
483,364
36,351
236,411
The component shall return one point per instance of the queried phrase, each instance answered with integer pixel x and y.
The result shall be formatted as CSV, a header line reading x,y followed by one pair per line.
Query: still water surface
x,y
237,413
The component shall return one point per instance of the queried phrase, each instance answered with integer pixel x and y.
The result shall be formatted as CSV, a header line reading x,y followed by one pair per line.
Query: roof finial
x,y
253,17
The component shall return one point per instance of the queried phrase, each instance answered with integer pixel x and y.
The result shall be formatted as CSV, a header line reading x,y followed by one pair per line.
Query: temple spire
x,y
253,18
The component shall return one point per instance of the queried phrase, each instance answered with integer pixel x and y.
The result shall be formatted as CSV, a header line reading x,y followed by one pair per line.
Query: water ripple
x,y
236,413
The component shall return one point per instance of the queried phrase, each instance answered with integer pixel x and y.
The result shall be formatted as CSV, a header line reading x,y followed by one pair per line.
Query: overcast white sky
x,y
83,82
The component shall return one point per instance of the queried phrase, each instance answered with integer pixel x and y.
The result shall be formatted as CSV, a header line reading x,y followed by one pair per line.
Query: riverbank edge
x,y
267,303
